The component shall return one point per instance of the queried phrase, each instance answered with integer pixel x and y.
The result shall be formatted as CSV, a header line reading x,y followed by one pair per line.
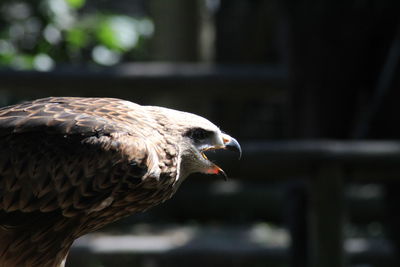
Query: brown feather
x,y
69,166
63,168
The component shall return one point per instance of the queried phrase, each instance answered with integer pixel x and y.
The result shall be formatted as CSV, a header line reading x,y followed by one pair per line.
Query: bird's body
x,y
69,166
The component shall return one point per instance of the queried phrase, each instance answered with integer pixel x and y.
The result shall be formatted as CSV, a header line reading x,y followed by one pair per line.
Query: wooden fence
x,y
327,165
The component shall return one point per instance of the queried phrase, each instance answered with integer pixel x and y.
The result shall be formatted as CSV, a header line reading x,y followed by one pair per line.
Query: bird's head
x,y
194,135
196,141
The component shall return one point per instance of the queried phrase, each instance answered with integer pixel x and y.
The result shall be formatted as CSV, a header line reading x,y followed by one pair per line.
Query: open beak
x,y
229,143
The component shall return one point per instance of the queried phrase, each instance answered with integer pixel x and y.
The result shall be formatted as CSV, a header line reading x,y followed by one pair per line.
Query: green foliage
x,y
118,32
41,34
77,38
76,3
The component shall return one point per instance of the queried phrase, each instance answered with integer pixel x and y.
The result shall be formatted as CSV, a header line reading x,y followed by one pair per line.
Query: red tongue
x,y
217,170
214,170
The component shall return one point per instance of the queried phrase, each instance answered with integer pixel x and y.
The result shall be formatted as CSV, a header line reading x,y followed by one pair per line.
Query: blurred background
x,y
309,88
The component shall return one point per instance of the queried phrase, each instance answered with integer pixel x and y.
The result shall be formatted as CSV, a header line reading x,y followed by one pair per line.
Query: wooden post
x,y
327,217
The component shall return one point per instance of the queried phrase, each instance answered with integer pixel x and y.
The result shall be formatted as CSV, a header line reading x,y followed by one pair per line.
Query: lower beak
x,y
230,143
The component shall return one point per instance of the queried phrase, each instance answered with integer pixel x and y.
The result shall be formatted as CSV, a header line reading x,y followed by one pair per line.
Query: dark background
x,y
264,71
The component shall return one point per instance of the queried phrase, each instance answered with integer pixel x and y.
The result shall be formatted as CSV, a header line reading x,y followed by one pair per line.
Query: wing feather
x,y
75,149
64,160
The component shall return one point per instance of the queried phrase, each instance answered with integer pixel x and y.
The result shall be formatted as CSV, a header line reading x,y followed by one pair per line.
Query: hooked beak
x,y
231,144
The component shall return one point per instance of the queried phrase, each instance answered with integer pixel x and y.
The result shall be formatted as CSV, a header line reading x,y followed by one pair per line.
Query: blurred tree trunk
x,y
179,28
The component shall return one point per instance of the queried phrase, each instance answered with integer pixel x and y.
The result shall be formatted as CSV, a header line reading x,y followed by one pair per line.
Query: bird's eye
x,y
198,134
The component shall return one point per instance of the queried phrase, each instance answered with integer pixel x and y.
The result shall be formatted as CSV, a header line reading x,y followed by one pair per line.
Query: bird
x,y
71,165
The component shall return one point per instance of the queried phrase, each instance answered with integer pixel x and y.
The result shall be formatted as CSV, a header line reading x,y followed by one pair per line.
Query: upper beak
x,y
232,144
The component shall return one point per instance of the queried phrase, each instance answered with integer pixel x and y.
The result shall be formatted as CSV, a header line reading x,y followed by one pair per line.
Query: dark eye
x,y
198,134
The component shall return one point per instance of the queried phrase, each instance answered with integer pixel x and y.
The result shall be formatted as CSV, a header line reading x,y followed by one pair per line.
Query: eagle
x,y
71,165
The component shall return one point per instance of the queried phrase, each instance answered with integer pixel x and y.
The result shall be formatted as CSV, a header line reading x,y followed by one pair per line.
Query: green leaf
x,y
77,37
75,3
118,33
6,59
22,62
